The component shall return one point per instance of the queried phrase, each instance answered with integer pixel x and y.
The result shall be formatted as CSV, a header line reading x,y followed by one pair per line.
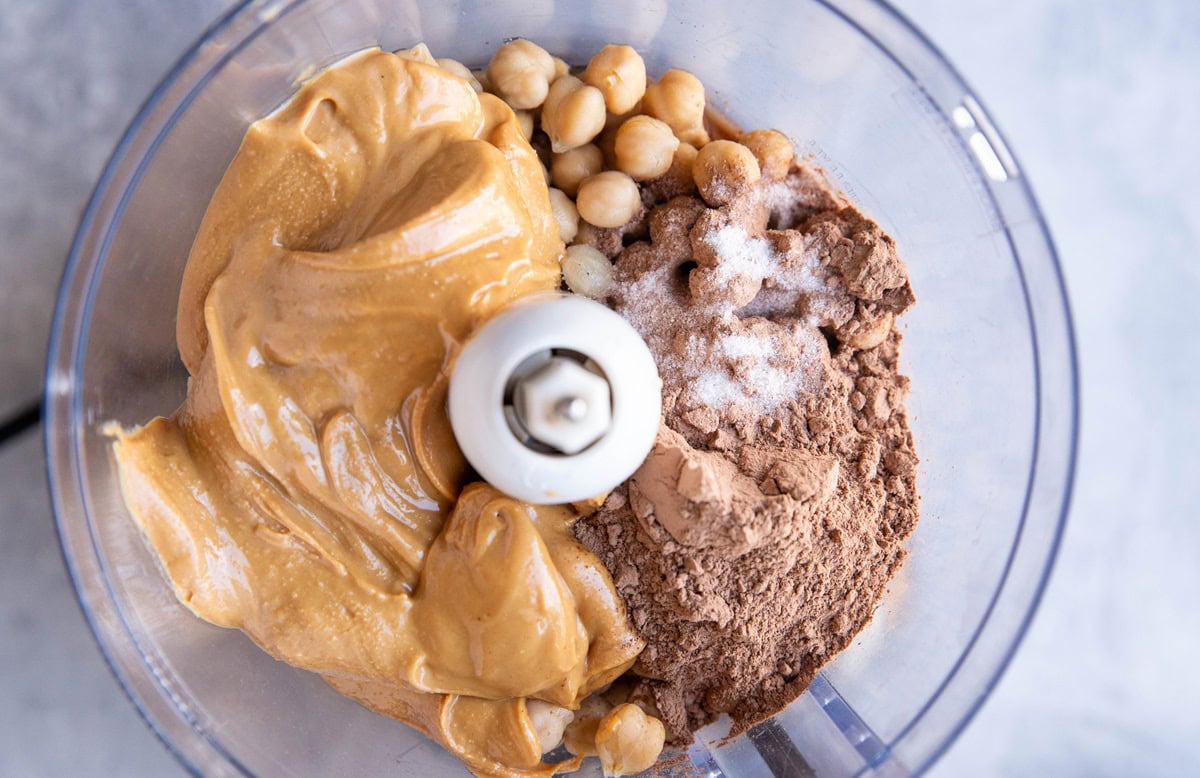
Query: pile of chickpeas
x,y
610,129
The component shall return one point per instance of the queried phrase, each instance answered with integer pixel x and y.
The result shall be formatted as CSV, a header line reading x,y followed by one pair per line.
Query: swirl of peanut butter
x,y
309,490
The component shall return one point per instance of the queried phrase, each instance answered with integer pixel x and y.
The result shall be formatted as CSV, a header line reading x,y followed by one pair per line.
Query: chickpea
x,y
685,157
570,167
606,141
419,53
565,214
481,77
608,199
697,136
678,99
520,72
722,170
620,74
678,178
645,147
872,333
580,735
588,507
561,68
573,113
587,271
456,68
548,722
615,120
773,151
525,119
628,741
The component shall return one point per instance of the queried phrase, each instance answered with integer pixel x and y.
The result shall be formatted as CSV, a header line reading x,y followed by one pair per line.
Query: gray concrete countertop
x,y
1098,101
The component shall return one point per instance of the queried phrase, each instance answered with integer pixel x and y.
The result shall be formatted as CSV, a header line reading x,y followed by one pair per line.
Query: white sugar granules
x,y
760,371
725,358
741,255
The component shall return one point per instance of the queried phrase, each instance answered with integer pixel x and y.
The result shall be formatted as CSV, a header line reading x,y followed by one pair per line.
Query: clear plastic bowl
x,y
988,346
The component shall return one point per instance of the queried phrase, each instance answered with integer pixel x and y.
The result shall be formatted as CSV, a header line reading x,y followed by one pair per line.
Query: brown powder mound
x,y
760,534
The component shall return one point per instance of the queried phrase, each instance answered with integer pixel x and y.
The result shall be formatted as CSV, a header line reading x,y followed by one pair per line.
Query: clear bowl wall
x,y
988,348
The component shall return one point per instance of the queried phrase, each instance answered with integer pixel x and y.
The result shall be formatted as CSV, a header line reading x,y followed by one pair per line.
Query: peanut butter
x,y
309,490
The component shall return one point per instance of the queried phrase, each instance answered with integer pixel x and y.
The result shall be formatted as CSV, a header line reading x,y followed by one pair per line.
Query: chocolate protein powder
x,y
760,533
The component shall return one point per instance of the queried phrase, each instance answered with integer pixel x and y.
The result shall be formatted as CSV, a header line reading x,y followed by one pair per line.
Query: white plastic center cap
x,y
555,399
563,405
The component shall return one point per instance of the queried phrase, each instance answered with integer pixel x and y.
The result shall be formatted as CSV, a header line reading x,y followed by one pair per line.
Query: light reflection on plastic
x,y
985,142
987,157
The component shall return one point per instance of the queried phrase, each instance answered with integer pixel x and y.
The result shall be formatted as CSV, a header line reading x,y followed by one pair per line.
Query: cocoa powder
x,y
761,532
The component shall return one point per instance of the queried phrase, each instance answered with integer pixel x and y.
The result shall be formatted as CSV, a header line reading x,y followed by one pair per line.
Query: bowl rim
x,y
241,24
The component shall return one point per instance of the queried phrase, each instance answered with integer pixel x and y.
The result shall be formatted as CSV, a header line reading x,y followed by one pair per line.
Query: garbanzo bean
x,y
722,169
565,214
644,147
525,119
678,178
419,53
620,74
573,113
588,272
520,72
454,67
548,722
772,149
580,735
570,167
608,199
872,333
678,99
685,157
628,741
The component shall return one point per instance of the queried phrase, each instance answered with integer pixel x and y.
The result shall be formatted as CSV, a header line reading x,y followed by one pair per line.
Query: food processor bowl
x,y
988,348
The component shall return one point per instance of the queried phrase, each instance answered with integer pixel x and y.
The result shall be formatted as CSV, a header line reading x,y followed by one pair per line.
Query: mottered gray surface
x,y
1096,100
61,712
75,74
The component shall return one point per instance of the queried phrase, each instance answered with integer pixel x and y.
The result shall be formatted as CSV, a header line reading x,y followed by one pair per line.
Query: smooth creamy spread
x,y
309,490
